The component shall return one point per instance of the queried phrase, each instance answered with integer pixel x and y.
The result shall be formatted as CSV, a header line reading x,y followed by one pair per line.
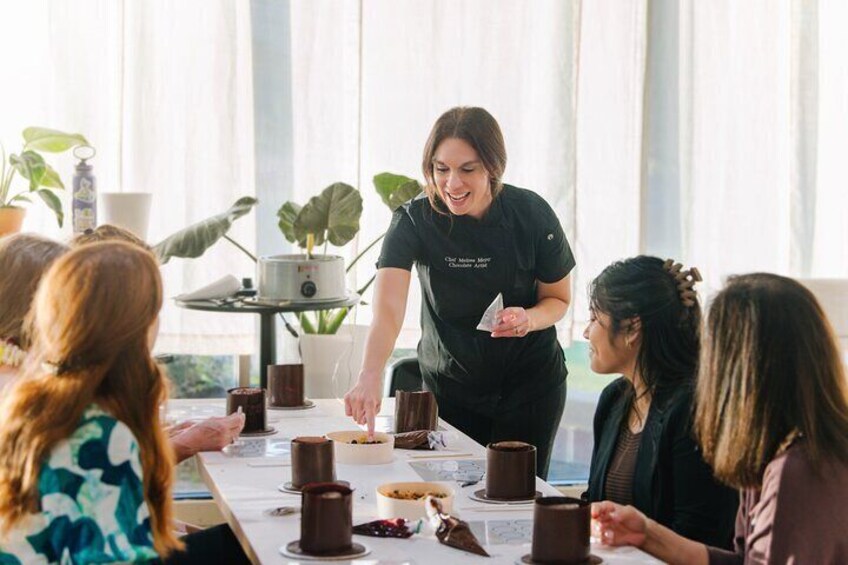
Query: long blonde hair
x,y
91,318
770,369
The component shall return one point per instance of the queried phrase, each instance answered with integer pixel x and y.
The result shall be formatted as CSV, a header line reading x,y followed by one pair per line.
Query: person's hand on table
x,y
363,401
178,428
514,322
619,525
212,434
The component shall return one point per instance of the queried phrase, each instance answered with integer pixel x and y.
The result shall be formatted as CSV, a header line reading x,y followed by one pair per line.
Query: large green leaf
x,y
53,203
335,212
404,193
194,240
396,190
29,165
51,140
288,214
51,178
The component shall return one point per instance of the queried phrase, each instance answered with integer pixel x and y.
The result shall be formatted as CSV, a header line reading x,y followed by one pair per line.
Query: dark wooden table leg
x,y
267,345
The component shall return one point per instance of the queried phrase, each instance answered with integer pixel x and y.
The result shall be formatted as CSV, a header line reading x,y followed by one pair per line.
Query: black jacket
x,y
671,482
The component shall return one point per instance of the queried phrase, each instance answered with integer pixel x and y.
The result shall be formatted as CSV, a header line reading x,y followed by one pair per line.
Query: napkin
x,y
222,288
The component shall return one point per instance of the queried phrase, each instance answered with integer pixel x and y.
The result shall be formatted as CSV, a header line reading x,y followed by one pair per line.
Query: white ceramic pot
x,y
331,363
129,210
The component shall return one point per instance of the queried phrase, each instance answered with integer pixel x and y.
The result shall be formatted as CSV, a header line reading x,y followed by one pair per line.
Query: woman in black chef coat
x,y
472,237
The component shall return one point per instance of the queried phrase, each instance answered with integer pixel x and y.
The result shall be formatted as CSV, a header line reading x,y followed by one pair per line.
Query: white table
x,y
245,488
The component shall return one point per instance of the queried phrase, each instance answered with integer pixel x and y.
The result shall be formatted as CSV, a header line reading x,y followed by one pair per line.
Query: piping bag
x,y
490,316
452,531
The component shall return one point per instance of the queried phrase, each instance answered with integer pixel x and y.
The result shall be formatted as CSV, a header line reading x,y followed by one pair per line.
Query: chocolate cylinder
x,y
285,385
510,470
326,524
312,461
415,411
560,530
252,402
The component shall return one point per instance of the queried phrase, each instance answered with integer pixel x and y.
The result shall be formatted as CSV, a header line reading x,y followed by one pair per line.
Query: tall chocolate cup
x,y
415,411
312,461
560,530
510,470
326,524
252,403
285,385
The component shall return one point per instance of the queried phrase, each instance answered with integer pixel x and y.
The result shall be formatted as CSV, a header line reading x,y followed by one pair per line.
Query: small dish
x,y
480,496
348,453
389,506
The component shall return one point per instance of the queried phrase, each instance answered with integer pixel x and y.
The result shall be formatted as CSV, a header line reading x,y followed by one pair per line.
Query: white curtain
x,y
163,90
763,137
752,154
370,78
711,131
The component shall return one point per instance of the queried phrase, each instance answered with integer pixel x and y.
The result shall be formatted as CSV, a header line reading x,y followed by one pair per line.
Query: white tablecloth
x,y
245,489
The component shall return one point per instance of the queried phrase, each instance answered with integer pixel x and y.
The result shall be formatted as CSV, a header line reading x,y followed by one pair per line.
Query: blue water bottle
x,y
84,204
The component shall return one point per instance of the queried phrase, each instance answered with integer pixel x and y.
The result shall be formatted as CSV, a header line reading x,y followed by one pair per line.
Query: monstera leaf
x,y
194,240
331,216
396,190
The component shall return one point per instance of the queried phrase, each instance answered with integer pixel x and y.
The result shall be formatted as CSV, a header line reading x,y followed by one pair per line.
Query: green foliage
x,y
30,165
331,216
196,376
394,190
194,240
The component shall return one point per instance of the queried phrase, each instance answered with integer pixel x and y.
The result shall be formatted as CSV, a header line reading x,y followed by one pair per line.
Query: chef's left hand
x,y
514,322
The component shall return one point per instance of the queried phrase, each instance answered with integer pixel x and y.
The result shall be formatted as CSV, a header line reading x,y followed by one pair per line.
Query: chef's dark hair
x,y
481,131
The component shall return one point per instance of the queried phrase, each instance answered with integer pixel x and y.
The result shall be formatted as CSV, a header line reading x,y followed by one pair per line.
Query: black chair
x,y
403,374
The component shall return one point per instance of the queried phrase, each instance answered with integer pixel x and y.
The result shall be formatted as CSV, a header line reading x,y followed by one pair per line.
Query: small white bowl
x,y
362,454
389,507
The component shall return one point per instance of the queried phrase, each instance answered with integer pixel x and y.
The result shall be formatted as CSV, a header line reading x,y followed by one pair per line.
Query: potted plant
x,y
333,217
329,350
43,179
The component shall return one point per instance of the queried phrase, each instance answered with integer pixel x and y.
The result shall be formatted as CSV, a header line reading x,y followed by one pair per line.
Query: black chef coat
x,y
462,264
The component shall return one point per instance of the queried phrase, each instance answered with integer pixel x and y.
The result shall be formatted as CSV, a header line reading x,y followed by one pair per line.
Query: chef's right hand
x,y
362,402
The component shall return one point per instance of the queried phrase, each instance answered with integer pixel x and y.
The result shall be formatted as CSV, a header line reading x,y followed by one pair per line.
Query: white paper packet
x,y
490,316
222,288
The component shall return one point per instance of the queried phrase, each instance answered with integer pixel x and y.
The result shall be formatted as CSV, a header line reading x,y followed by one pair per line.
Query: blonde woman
x,y
24,258
87,469
187,438
772,420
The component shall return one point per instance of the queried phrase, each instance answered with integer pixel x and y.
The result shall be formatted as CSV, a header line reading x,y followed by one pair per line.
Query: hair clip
x,y
685,281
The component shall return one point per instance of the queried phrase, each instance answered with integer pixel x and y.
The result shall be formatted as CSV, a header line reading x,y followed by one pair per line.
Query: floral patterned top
x,y
92,501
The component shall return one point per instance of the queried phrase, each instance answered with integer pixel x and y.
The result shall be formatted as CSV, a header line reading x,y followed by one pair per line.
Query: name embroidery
x,y
468,262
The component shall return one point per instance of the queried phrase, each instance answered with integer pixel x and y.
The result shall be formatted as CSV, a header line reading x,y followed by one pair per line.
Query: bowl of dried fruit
x,y
354,448
406,500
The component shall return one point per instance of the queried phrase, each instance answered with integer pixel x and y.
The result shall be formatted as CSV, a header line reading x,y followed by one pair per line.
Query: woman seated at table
x,y
24,258
772,419
187,438
87,469
644,324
